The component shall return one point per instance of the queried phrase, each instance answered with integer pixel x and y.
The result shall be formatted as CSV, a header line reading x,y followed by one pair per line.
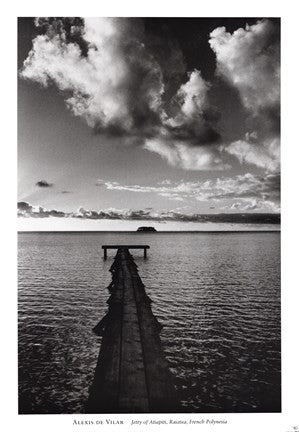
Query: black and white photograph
x,y
149,215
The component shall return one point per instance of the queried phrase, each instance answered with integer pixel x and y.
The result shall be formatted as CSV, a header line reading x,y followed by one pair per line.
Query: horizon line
x,y
152,233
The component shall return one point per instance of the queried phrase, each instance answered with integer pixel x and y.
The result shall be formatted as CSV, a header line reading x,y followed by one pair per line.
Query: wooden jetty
x,y
132,374
144,247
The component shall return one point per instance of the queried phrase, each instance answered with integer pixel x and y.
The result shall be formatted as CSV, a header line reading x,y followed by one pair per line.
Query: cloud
x,y
195,117
264,155
250,60
265,189
189,138
248,205
43,184
116,86
249,192
27,210
24,206
100,183
181,154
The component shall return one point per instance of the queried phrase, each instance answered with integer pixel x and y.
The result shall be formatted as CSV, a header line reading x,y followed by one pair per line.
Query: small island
x,y
146,229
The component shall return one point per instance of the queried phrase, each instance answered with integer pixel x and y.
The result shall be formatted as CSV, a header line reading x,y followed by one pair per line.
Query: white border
x,y
289,417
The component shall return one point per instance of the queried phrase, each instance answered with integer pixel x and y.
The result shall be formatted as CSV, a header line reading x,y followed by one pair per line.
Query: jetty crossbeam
x,y
132,373
144,247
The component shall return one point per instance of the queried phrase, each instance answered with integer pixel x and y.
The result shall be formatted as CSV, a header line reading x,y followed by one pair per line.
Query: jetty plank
x,y
133,391
159,379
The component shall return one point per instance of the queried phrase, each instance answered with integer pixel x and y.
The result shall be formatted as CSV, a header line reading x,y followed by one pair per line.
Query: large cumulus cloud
x,y
249,59
111,79
116,85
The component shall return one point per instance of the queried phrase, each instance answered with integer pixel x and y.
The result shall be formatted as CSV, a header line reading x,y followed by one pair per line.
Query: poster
x,y
197,121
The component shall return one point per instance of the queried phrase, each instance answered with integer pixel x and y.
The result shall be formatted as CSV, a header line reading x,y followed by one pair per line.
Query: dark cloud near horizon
x,y
27,210
44,184
24,206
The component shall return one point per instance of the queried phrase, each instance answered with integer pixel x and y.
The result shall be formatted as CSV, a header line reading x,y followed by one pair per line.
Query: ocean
x,y
217,296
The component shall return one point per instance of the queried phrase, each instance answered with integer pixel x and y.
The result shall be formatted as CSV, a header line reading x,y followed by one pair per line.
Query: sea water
x,y
217,296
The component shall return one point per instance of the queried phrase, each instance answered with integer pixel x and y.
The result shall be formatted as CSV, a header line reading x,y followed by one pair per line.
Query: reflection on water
x,y
217,295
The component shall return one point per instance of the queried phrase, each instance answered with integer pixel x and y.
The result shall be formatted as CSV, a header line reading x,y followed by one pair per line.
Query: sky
x,y
128,121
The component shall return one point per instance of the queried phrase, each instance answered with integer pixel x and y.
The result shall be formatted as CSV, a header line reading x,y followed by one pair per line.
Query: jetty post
x,y
144,247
